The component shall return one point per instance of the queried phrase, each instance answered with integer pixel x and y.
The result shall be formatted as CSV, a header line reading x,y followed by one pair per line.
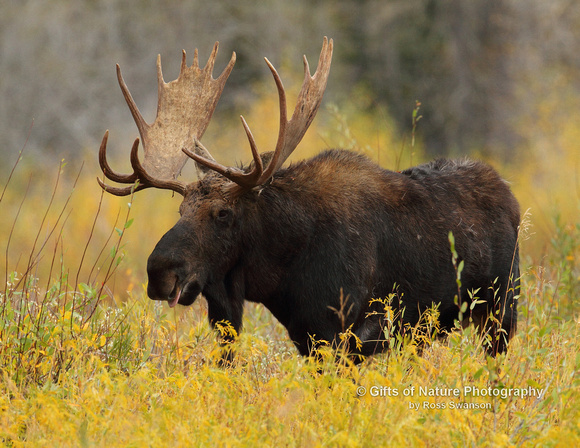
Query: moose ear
x,y
200,150
265,156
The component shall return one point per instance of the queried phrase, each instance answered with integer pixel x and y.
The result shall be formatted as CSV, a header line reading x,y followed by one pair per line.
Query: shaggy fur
x,y
338,225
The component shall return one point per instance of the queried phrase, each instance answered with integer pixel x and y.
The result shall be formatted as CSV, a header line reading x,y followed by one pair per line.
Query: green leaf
x,y
477,374
452,241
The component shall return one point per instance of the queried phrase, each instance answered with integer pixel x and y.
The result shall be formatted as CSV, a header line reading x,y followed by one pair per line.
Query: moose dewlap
x,y
317,241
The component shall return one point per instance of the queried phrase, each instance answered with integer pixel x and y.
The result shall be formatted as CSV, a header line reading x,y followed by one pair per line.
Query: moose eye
x,y
224,215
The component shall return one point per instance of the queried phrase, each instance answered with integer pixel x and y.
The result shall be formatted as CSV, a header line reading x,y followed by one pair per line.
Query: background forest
x,y
86,359
488,73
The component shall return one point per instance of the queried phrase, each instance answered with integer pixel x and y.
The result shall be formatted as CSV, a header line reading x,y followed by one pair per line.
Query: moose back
x,y
317,241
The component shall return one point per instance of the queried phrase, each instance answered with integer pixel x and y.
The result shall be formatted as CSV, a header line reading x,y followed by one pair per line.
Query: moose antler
x,y
291,131
184,109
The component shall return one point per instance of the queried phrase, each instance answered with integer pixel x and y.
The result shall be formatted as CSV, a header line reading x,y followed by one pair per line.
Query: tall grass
x,y
44,322
87,360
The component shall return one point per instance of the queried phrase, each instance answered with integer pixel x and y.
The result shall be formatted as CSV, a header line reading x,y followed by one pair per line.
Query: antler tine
x,y
114,176
211,61
184,60
139,121
259,168
107,170
121,191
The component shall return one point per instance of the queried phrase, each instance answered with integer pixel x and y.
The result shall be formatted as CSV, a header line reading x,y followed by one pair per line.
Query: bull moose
x,y
330,233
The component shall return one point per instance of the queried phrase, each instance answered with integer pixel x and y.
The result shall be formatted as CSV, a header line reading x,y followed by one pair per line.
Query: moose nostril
x,y
162,284
163,278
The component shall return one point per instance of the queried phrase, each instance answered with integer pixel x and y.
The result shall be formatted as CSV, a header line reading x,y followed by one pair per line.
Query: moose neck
x,y
276,228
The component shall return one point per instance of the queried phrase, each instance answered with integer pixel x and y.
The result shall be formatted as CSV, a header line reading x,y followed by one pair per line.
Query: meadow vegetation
x,y
86,359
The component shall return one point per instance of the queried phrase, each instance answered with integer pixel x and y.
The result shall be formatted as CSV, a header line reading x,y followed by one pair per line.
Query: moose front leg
x,y
225,316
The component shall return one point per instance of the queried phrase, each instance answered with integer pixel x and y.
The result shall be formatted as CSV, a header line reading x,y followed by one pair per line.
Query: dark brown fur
x,y
338,224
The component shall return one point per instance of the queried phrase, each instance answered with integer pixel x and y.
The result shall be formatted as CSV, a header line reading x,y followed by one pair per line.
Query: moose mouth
x,y
184,295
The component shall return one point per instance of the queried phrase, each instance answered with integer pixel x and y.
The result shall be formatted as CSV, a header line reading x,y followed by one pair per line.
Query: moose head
x,y
199,251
